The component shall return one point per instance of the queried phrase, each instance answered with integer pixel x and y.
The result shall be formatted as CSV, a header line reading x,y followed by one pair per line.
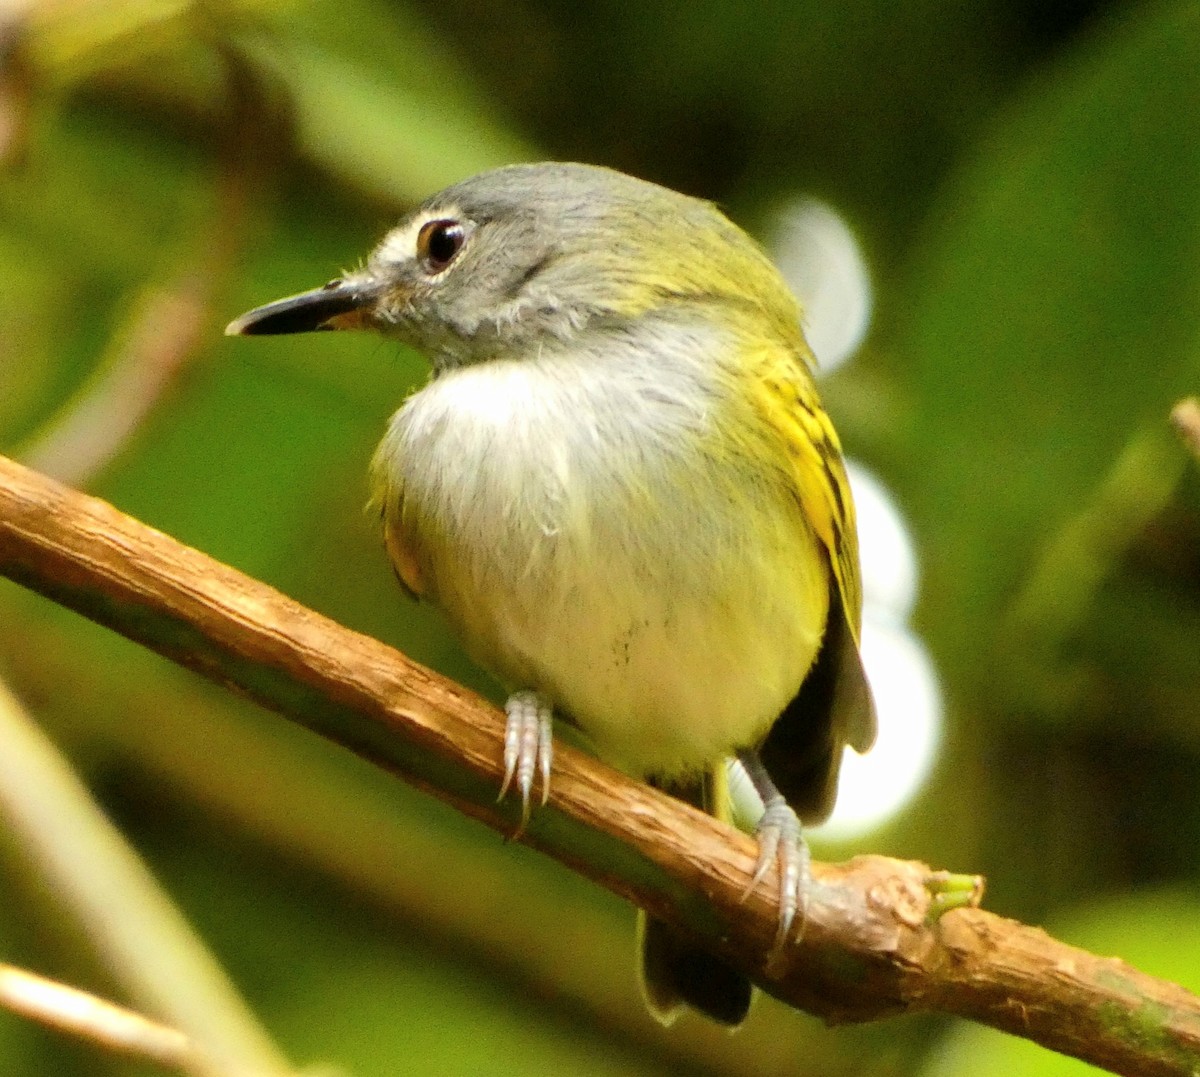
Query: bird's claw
x,y
781,845
528,748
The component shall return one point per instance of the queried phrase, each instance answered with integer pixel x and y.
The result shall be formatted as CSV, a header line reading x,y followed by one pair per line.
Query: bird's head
x,y
505,262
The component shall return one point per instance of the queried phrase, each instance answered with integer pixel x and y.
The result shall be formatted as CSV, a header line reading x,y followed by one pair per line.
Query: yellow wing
x,y
817,476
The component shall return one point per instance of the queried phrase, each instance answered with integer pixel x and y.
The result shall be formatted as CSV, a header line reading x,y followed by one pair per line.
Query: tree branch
x,y
874,945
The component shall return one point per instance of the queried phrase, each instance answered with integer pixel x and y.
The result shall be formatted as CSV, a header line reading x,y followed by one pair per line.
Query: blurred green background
x,y
1025,181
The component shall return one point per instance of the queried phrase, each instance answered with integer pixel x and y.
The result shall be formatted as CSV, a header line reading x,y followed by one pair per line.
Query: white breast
x,y
595,529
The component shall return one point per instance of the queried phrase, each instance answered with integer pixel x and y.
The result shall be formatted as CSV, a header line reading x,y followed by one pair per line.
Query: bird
x,y
621,488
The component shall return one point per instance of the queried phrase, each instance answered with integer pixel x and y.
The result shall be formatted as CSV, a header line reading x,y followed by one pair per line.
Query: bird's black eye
x,y
439,242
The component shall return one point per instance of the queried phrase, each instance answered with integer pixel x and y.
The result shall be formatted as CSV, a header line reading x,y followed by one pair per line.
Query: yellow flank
x,y
718,264
404,557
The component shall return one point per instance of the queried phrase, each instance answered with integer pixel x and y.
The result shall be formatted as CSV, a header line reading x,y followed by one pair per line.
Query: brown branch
x,y
872,947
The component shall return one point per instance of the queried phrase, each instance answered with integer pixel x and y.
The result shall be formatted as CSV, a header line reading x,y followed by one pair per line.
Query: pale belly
x,y
661,682
664,599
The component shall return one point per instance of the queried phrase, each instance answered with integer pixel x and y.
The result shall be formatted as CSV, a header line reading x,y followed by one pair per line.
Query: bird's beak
x,y
340,304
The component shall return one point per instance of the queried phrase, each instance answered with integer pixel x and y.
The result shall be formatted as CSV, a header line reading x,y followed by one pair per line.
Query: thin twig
x,y
871,947
164,330
96,1020
138,932
1185,417
145,361
1070,568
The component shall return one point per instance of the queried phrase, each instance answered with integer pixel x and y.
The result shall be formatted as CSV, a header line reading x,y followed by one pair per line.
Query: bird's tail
x,y
674,971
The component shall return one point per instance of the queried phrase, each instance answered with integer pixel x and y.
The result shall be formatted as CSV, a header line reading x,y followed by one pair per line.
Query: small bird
x,y
621,488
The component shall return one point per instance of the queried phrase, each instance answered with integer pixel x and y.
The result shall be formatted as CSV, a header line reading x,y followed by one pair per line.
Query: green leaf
x,y
1053,310
379,102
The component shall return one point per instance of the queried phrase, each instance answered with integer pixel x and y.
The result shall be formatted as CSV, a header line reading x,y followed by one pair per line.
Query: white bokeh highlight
x,y
908,700
889,559
820,258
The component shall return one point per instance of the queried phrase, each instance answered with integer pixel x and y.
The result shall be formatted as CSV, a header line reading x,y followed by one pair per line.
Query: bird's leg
x,y
528,747
780,844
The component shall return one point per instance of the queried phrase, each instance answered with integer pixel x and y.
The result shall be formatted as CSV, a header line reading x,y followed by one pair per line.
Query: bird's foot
x,y
781,846
528,748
